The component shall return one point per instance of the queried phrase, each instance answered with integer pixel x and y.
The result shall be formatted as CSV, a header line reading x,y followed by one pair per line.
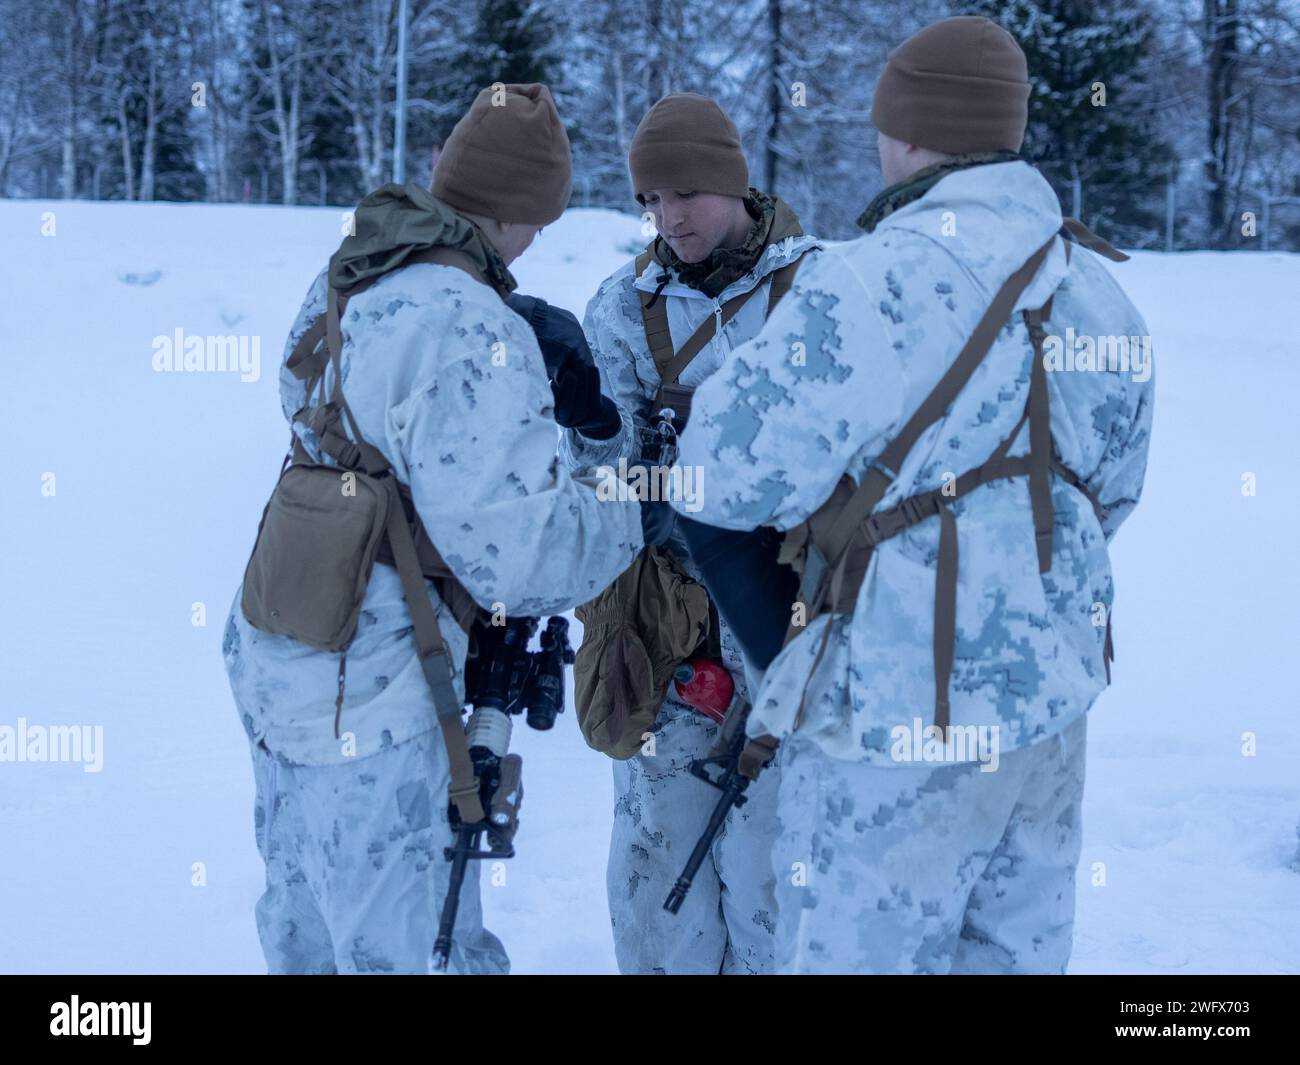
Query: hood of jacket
x,y
991,218
396,221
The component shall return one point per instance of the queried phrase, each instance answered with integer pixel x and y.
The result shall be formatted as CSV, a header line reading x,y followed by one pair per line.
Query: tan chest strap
x,y
837,540
670,363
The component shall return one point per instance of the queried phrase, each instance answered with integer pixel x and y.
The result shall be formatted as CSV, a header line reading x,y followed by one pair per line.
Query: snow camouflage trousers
x,y
727,922
929,869
355,874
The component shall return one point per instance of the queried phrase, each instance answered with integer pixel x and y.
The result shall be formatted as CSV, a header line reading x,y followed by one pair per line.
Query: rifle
x,y
733,785
502,679
499,823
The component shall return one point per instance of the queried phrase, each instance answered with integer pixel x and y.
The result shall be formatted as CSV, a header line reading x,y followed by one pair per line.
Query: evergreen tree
x,y
1090,118
513,42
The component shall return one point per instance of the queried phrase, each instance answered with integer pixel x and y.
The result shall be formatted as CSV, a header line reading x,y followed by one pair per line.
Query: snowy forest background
x,y
293,101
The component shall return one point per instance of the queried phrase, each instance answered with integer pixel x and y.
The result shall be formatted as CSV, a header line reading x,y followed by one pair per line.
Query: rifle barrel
x,y
733,789
466,840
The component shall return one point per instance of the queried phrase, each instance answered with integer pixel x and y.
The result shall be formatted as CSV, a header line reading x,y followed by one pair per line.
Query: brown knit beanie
x,y
686,141
960,85
507,158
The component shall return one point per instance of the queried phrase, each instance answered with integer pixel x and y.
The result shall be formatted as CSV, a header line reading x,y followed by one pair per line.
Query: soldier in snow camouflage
x,y
877,869
344,843
449,384
686,162
887,862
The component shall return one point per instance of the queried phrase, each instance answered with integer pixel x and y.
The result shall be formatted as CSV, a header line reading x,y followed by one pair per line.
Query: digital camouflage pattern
x,y
449,384
615,330
355,874
925,869
660,811
864,335
727,922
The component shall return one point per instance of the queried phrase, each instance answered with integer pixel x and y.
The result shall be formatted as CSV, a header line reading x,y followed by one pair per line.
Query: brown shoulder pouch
x,y
635,633
315,550
320,536
322,528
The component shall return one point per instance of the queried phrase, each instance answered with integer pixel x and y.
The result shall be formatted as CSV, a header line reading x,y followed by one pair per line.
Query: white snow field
x,y
1193,790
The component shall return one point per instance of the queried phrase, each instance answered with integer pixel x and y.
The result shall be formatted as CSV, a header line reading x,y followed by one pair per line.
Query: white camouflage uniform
x,y
449,384
727,922
889,865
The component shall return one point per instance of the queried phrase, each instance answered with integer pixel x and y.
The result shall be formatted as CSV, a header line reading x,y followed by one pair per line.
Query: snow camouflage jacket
x,y
881,318
469,426
615,330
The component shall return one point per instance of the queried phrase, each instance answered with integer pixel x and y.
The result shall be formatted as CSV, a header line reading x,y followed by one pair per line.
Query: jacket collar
x,y
774,256
990,219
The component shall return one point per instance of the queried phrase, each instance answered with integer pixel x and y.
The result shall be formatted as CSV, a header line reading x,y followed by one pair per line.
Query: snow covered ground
x,y
159,480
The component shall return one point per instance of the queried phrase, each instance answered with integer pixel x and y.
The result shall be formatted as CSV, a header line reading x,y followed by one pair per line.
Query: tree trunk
x,y
775,96
1221,29
656,69
128,163
9,135
284,115
218,133
289,160
71,72
620,104
149,153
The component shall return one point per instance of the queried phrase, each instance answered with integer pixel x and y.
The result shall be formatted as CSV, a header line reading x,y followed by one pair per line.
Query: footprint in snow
x,y
140,279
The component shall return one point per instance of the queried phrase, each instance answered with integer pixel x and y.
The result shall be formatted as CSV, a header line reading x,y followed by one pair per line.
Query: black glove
x,y
657,521
575,381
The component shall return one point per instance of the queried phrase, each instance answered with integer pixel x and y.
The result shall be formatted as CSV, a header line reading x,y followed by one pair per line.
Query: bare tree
x,y
21,46
215,56
286,27
358,70
1251,54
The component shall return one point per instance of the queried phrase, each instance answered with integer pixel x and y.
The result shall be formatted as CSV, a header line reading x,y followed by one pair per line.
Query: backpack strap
x,y
882,472
670,363
857,523
1081,234
434,655
355,453
307,360
1040,440
697,341
435,660
654,315
671,368
781,282
824,565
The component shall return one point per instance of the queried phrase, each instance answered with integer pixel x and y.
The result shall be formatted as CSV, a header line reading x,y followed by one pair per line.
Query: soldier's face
x,y
693,223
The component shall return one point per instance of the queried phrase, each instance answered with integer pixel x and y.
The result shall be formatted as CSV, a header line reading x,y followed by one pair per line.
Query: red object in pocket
x,y
706,686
